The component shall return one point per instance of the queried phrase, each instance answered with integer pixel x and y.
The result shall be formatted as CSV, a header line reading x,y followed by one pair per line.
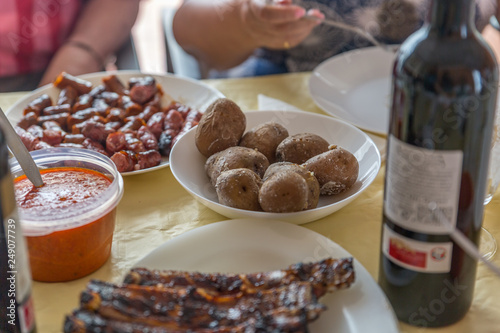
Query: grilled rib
x,y
191,307
82,321
325,276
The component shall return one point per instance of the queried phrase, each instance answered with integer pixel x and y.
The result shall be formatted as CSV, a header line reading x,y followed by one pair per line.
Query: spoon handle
x,y
348,27
462,241
20,152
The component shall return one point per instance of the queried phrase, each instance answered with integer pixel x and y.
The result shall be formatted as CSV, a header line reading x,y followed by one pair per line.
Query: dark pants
x,y
23,82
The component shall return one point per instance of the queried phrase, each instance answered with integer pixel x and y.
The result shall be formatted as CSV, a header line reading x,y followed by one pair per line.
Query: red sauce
x,y
71,253
63,187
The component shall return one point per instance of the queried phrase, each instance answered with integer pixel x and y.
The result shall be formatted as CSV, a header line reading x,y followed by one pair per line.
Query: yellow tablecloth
x,y
156,208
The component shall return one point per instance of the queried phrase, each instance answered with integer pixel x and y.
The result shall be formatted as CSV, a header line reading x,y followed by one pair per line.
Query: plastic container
x,y
68,244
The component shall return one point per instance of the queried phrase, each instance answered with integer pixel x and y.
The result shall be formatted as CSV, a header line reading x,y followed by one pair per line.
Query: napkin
x,y
273,104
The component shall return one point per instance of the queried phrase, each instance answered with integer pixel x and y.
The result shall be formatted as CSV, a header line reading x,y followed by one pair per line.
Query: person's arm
x,y
223,33
104,25
492,35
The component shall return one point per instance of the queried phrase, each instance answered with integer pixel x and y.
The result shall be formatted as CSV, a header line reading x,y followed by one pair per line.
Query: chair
x,y
178,61
126,57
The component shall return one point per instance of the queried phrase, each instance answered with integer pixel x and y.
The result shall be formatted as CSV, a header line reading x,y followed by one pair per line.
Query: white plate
x,y
246,246
192,93
188,164
355,86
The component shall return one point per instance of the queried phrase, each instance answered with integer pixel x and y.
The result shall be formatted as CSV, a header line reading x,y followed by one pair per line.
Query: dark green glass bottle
x,y
444,91
16,306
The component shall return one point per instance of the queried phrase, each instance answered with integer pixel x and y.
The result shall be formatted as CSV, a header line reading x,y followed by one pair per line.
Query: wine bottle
x,y
16,306
444,90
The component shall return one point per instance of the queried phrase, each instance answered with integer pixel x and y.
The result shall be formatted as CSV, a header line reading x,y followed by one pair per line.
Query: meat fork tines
x,y
363,33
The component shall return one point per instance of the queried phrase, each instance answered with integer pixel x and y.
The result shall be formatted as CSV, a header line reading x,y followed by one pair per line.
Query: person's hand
x,y
72,60
278,24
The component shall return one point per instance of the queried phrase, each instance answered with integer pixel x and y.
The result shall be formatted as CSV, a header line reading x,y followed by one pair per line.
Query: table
x,y
156,208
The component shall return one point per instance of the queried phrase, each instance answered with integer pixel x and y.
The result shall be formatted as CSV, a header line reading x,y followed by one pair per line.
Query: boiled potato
x,y
221,126
239,188
300,147
234,158
336,170
265,138
284,192
312,182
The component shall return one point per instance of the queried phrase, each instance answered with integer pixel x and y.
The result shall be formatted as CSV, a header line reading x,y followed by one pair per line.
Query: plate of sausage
x,y
130,116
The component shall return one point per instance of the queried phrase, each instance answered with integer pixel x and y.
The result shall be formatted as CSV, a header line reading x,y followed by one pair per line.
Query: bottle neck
x,y
452,17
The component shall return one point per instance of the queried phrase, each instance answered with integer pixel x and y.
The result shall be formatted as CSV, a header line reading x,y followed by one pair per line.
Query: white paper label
x,y
415,255
422,187
27,315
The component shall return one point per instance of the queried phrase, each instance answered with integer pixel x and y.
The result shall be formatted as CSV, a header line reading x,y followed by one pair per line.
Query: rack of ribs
x,y
175,301
325,276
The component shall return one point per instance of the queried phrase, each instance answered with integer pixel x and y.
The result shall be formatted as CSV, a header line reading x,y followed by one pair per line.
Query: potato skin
x,y
336,170
234,158
284,192
312,182
300,147
239,188
221,126
265,138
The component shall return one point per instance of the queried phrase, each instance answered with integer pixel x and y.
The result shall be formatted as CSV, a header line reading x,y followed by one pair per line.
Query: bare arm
x,y
492,36
223,33
104,25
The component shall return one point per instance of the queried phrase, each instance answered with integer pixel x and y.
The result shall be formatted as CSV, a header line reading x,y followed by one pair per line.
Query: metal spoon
x,y
20,152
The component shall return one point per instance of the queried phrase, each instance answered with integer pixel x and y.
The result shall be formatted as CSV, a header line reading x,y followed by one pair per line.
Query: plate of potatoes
x,y
289,165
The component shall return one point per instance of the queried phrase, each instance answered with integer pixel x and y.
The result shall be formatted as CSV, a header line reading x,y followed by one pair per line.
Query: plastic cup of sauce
x,y
70,220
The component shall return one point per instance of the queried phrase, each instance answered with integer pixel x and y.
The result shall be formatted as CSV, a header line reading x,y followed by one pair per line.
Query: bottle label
x,y
415,255
422,187
27,315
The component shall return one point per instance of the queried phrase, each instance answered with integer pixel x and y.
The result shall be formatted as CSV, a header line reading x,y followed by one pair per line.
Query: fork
x,y
351,28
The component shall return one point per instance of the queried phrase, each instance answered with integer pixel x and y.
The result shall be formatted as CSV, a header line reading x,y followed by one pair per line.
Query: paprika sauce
x,y
67,253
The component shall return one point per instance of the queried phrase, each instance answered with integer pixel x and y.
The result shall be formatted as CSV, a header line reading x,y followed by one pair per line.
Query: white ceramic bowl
x,y
188,164
192,93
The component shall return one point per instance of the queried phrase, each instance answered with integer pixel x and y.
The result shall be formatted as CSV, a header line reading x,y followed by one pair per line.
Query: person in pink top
x,y
41,38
